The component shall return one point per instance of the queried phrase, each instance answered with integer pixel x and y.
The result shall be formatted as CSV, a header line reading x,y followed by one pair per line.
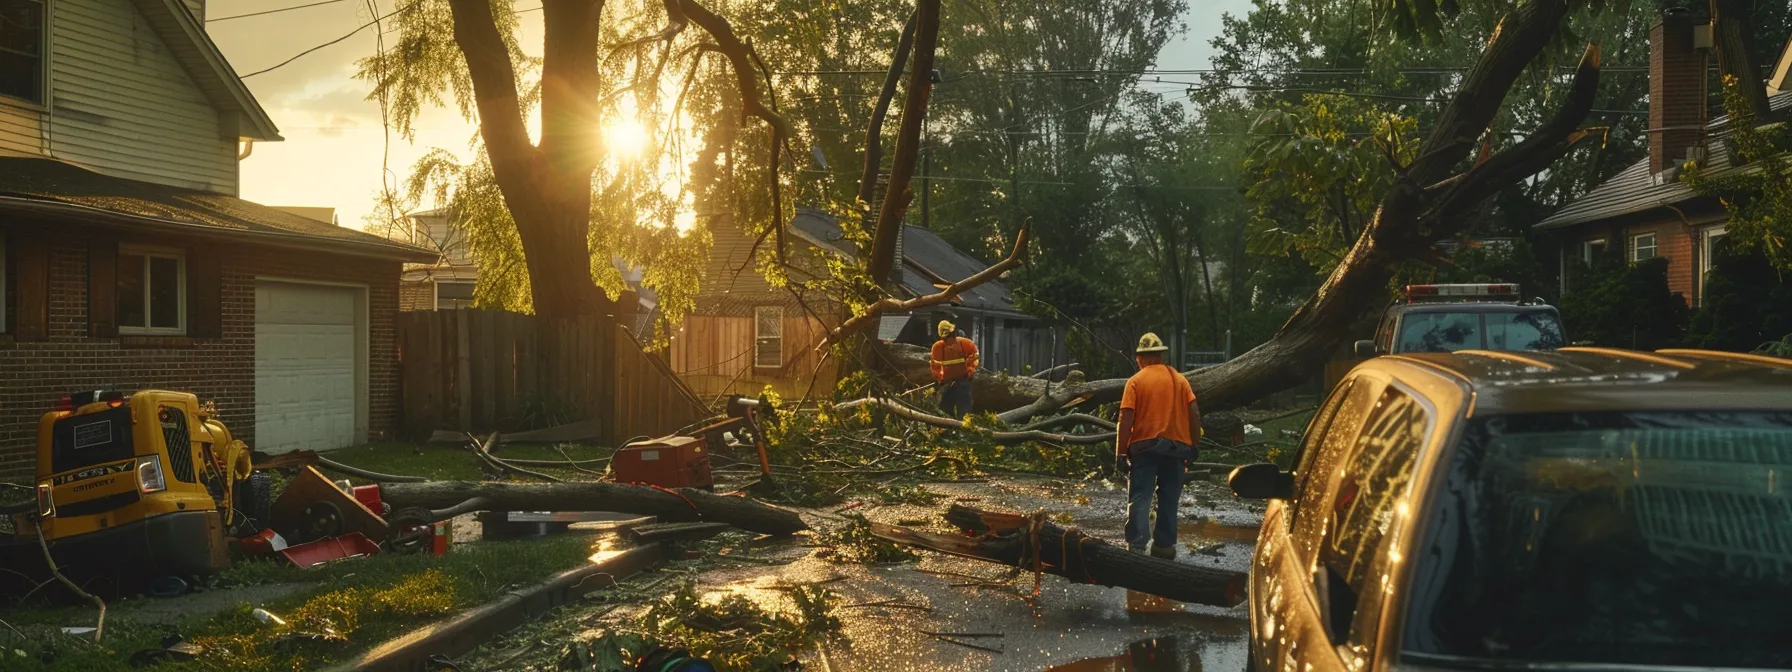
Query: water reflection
x,y
1151,655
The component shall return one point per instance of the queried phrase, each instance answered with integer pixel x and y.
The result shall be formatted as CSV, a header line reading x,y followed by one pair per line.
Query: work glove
x,y
1122,465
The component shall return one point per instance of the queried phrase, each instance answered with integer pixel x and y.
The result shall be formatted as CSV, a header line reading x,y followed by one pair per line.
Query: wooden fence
x,y
484,371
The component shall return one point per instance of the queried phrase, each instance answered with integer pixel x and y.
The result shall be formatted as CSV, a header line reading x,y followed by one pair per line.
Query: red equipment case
x,y
668,462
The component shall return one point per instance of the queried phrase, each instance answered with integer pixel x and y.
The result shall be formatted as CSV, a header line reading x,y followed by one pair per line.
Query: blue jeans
x,y
1153,470
955,399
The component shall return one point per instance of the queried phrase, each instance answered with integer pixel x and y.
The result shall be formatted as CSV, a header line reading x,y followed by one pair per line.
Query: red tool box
x,y
668,462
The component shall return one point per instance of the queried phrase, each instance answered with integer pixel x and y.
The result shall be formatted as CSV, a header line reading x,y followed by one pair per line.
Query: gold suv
x,y
1578,509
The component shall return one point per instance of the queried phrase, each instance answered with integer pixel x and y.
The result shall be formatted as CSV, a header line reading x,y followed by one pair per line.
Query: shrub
x,y
1621,306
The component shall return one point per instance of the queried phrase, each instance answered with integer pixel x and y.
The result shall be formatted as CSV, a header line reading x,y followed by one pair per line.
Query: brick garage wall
x,y
37,373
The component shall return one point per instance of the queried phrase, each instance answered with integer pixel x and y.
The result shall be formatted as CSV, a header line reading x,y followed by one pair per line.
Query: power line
x,y
350,34
272,11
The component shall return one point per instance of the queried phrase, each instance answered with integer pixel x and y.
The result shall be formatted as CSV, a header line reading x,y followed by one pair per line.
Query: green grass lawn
x,y
363,602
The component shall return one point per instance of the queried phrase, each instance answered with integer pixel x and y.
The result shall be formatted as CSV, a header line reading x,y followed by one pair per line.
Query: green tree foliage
x,y
1757,189
1746,303
1622,306
1318,170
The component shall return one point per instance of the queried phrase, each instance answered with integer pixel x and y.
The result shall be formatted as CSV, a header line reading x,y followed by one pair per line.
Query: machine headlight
x,y
46,506
149,475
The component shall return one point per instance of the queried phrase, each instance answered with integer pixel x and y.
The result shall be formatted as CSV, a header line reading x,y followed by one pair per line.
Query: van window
x,y
1326,446
1368,500
1448,332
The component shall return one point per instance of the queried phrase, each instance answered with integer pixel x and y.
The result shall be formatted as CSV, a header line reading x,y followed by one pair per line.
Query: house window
x,y
152,291
768,337
1710,240
22,49
450,295
1642,246
1590,251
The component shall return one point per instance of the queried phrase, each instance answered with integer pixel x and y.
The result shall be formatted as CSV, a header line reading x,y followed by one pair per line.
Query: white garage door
x,y
305,366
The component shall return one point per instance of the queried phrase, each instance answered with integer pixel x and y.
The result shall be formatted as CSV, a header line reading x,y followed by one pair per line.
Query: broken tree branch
x,y
874,131
1032,543
1020,436
876,311
483,450
99,627
882,261
740,58
669,505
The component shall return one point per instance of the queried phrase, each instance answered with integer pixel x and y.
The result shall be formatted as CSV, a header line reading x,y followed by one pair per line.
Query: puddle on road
x,y
1208,528
1151,655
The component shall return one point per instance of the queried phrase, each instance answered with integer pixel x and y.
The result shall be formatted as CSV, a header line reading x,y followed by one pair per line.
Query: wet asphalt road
x,y
1068,628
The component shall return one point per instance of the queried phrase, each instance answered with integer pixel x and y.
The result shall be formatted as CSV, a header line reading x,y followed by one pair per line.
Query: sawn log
x,y
1008,539
677,505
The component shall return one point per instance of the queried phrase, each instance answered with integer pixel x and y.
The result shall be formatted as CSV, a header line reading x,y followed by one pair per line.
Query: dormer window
x,y
22,49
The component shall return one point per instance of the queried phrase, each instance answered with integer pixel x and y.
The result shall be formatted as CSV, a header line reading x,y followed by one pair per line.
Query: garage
x,y
310,366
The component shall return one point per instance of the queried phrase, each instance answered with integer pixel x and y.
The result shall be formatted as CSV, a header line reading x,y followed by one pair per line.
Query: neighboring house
x,y
129,263
746,335
447,281
1646,211
1007,339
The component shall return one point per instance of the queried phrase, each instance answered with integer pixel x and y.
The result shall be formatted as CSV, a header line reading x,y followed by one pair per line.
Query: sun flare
x,y
624,138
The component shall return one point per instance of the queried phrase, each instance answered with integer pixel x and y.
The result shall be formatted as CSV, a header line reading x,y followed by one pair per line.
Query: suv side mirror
x,y
1261,481
1365,349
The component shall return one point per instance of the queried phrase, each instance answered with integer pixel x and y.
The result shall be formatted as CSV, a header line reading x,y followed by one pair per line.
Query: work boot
x,y
1165,552
1136,548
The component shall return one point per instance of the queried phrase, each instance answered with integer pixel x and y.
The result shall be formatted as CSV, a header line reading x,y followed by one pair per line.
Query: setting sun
x,y
624,138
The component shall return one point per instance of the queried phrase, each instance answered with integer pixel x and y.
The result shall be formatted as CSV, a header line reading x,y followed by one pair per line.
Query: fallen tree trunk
x,y
1031,543
677,505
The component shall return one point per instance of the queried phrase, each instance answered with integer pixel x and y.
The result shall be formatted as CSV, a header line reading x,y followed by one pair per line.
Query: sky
x,y
335,145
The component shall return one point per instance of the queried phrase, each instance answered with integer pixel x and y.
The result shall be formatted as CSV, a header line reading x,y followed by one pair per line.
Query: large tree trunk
x,y
1425,204
1012,540
677,505
1735,52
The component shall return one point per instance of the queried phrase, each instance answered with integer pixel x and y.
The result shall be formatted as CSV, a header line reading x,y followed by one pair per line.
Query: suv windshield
x,y
1452,331
1613,538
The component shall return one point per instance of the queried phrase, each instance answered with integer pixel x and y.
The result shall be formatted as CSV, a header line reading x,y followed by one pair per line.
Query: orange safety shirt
x,y
1158,396
953,359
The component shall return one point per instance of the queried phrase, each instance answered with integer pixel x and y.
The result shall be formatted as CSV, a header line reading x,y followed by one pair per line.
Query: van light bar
x,y
1471,290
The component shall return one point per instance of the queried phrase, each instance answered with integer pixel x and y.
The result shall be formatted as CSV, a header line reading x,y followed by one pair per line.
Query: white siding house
x,y
128,88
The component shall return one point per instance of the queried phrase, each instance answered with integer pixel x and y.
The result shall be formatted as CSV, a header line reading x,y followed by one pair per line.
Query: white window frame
x,y
759,321
1584,250
1636,246
1706,237
180,279
43,61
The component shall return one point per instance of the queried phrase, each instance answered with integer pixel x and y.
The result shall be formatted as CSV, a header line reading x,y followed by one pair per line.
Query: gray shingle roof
x,y
1634,190
925,256
52,189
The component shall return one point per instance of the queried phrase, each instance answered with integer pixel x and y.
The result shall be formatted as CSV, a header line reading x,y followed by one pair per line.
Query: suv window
x,y
1613,539
1326,447
1449,332
1373,485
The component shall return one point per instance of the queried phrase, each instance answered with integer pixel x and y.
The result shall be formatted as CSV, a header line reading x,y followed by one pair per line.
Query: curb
x,y
465,632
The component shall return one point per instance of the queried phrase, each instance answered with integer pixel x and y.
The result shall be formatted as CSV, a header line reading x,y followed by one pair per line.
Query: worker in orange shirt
x,y
1159,424
954,365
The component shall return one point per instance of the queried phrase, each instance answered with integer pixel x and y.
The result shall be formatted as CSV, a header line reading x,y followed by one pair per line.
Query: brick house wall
x,y
38,373
1675,240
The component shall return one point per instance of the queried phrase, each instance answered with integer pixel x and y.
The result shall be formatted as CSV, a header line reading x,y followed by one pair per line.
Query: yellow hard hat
x,y
946,328
1151,343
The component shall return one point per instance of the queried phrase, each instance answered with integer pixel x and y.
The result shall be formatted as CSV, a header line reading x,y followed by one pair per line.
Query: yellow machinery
x,y
146,482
